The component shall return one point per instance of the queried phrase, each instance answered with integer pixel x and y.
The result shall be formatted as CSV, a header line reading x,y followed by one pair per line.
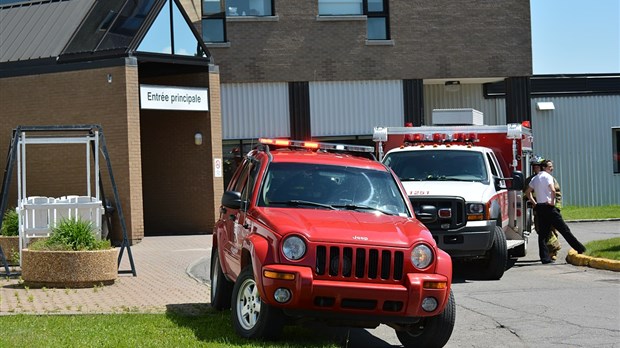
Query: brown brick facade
x,y
78,97
165,181
432,39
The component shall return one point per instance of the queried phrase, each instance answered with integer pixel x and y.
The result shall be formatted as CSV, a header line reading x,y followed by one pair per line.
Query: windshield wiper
x,y
361,207
450,178
296,203
410,179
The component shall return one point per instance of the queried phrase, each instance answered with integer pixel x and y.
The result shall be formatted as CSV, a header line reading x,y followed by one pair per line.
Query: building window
x,y
341,7
213,21
616,149
214,13
376,12
249,8
378,25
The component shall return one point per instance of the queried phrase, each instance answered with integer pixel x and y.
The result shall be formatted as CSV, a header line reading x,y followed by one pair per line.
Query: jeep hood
x,y
470,191
345,226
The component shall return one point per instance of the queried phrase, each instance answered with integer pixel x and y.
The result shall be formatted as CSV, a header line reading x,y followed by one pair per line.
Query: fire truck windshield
x,y
438,165
318,186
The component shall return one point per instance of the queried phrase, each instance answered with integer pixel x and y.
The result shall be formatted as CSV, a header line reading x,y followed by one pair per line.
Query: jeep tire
x,y
253,318
431,331
221,288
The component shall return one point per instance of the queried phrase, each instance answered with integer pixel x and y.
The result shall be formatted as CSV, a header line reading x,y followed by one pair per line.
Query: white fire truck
x,y
465,183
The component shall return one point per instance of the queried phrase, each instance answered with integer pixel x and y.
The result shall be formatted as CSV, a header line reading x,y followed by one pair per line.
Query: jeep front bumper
x,y
373,299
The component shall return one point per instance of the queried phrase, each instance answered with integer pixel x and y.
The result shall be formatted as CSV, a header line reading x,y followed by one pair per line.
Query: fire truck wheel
x,y
253,318
495,264
431,331
221,288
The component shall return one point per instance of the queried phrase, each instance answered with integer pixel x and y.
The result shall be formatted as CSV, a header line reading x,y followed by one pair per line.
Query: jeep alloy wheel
x,y
252,318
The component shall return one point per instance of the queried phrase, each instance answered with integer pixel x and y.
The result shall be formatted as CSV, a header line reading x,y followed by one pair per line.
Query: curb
x,y
594,262
593,220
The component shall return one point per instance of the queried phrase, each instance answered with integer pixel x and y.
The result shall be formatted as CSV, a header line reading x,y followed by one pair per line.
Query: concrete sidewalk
x,y
163,283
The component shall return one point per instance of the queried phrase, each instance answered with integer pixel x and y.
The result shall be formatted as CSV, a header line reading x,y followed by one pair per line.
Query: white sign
x,y
174,98
217,167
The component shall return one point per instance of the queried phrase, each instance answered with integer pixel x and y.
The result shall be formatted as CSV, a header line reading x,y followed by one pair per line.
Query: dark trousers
x,y
549,217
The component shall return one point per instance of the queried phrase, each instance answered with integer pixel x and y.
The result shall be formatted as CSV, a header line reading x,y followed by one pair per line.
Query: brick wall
x,y
78,97
165,181
432,39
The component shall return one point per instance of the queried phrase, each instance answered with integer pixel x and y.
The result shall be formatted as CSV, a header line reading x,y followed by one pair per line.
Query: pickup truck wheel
x,y
495,264
221,288
432,331
252,318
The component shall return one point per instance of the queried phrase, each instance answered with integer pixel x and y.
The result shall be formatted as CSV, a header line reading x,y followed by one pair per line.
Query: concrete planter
x,y
10,248
69,269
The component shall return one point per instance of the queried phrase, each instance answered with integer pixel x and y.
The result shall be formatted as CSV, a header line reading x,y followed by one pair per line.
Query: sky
x,y
575,36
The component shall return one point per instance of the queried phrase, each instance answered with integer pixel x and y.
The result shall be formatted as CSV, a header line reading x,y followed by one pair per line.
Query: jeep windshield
x,y
438,165
317,186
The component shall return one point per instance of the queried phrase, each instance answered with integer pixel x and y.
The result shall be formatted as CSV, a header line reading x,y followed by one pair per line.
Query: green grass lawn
x,y
210,329
607,249
589,213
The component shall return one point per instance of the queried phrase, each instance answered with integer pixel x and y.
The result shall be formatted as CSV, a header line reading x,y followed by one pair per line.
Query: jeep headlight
x,y
421,256
293,248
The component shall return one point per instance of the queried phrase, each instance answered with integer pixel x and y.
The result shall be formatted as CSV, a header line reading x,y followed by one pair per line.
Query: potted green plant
x,y
9,236
71,257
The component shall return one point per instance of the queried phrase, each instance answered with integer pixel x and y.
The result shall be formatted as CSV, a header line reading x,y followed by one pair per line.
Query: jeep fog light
x,y
293,248
282,295
429,304
421,256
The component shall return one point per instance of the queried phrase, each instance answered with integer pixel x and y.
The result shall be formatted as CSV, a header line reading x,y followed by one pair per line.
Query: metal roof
x,y
52,32
39,29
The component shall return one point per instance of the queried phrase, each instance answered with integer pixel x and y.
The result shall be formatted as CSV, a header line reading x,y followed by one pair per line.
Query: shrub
x,y
10,223
71,234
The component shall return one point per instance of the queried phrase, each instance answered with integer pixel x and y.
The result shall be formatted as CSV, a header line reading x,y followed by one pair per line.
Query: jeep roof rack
x,y
355,150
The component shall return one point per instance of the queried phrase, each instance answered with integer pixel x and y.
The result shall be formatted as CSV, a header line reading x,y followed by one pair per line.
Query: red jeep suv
x,y
324,231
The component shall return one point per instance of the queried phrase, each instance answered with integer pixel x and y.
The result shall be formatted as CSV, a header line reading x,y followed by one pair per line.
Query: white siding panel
x,y
577,136
255,110
355,107
468,96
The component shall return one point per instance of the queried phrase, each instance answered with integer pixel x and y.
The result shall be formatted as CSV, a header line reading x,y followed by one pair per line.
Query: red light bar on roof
x,y
316,145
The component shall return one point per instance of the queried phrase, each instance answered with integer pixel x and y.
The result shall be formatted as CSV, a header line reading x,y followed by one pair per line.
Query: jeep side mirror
x,y
517,181
231,199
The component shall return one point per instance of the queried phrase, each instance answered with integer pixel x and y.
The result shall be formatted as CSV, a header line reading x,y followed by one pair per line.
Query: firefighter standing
x,y
552,242
548,215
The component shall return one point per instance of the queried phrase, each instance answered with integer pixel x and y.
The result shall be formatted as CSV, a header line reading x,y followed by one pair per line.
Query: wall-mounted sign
x,y
217,167
174,98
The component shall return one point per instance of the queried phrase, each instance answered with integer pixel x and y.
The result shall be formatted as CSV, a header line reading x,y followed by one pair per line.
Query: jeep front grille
x,y
359,263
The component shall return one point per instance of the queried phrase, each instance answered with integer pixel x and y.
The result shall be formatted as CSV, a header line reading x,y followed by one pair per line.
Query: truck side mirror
x,y
517,181
231,199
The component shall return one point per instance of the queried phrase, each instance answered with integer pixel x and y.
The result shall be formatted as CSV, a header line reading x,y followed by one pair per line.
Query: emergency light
x,y
315,145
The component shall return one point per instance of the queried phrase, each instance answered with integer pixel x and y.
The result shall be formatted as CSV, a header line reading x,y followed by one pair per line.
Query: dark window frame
x,y
379,14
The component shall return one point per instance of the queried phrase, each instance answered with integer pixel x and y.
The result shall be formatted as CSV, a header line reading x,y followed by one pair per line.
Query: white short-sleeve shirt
x,y
541,185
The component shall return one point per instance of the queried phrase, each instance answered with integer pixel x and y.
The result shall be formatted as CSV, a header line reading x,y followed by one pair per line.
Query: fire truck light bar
x,y
315,145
